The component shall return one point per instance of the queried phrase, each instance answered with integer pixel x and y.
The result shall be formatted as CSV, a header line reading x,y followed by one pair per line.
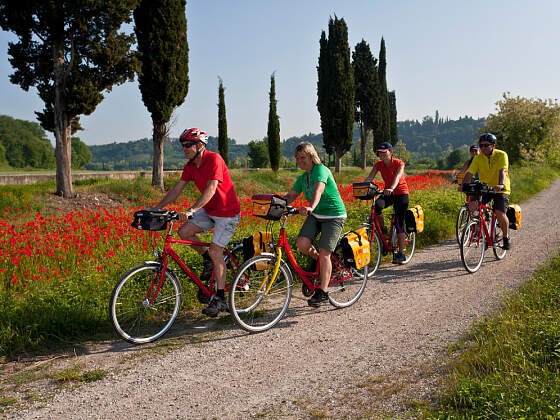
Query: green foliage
x,y
434,138
222,124
393,117
454,160
273,132
401,152
258,154
24,144
335,90
384,130
81,155
511,363
527,129
161,31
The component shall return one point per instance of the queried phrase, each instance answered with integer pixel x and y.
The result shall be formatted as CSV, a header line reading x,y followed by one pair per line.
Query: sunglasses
x,y
485,144
188,144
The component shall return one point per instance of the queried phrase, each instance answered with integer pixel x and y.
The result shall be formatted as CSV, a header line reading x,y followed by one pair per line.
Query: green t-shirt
x,y
331,203
489,169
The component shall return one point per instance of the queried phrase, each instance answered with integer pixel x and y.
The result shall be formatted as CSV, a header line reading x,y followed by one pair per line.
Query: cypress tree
x,y
273,133
384,132
71,51
222,124
335,90
161,30
366,82
393,117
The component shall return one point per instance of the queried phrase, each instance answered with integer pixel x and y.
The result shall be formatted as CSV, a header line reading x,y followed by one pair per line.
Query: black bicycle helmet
x,y
489,137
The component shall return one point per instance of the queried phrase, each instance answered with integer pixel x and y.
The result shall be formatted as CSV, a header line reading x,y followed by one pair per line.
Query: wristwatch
x,y
190,210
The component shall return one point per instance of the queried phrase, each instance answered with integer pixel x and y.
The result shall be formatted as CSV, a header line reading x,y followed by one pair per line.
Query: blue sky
x,y
456,57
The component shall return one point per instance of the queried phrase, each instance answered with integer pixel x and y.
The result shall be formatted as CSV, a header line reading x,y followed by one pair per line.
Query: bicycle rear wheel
x,y
409,244
462,221
472,246
134,317
375,250
498,241
255,303
347,284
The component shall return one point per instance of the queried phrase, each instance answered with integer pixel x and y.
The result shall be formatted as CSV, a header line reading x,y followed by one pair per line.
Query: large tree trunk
x,y
62,128
157,169
338,161
363,141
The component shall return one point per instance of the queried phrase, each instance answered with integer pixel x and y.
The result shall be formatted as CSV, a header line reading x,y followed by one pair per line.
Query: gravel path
x,y
377,356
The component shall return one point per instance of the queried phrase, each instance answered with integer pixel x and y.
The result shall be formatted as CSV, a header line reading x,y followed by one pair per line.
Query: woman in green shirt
x,y
325,213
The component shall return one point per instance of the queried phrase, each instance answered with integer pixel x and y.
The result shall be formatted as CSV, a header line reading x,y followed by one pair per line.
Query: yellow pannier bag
x,y
268,206
460,177
414,219
355,247
256,244
514,216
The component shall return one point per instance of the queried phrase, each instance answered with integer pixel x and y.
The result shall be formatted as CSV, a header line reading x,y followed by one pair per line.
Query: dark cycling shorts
x,y
400,202
501,202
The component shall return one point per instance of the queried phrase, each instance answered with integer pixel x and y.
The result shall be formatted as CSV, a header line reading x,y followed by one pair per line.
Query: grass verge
x,y
508,366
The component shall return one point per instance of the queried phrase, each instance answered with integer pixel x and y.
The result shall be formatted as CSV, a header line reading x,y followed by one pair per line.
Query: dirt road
x,y
376,356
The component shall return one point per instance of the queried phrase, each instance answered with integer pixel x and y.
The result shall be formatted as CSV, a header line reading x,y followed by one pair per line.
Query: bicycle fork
x,y
274,274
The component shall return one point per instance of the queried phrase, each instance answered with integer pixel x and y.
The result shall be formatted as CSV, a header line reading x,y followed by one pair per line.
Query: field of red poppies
x,y
57,270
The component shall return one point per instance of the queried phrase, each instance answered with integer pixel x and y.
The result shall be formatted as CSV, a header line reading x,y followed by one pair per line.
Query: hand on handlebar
x,y
387,191
304,211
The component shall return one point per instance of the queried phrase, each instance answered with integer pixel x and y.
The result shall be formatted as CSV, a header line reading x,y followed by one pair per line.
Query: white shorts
x,y
224,227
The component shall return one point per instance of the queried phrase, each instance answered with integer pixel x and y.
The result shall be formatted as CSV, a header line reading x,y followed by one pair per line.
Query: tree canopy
x,y
222,124
274,150
161,29
527,129
335,90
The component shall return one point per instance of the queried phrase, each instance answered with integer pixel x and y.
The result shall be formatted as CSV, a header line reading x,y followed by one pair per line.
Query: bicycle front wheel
x,y
347,283
375,250
257,301
498,241
409,244
473,244
139,312
462,220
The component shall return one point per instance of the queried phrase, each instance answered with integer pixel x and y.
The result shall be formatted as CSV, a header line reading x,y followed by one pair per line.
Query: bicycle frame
x,y
310,279
168,251
377,228
489,234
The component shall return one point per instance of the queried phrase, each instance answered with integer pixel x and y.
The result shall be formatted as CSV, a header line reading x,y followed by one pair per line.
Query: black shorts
x,y
501,202
400,202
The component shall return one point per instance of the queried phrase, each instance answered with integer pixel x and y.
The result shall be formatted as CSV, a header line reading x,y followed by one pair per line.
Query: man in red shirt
x,y
217,208
395,193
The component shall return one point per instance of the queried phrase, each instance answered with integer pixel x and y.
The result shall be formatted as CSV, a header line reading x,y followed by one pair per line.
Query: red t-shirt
x,y
388,174
224,203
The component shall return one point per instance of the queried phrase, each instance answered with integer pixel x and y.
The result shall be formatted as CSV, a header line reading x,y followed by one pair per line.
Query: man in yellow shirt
x,y
492,167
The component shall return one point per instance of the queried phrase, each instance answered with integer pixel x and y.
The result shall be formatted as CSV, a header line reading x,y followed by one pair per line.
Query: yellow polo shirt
x,y
488,169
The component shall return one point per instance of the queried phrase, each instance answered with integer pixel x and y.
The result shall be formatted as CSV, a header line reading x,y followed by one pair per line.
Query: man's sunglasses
x,y
486,144
186,145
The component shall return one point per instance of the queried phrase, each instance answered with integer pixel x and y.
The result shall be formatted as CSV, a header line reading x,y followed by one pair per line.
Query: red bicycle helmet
x,y
194,134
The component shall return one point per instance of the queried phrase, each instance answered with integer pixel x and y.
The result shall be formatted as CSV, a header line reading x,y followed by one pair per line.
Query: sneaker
x,y
398,258
207,269
318,298
216,306
506,245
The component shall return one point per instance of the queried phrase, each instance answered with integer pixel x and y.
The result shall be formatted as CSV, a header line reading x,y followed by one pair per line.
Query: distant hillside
x,y
433,138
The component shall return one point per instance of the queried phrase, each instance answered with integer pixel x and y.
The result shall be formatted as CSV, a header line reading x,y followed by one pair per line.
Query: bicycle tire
x,y
409,244
347,284
375,250
133,317
462,220
498,242
250,307
472,248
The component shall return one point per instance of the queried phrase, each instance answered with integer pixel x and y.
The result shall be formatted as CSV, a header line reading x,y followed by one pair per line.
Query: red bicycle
x,y
381,244
147,299
482,231
262,288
